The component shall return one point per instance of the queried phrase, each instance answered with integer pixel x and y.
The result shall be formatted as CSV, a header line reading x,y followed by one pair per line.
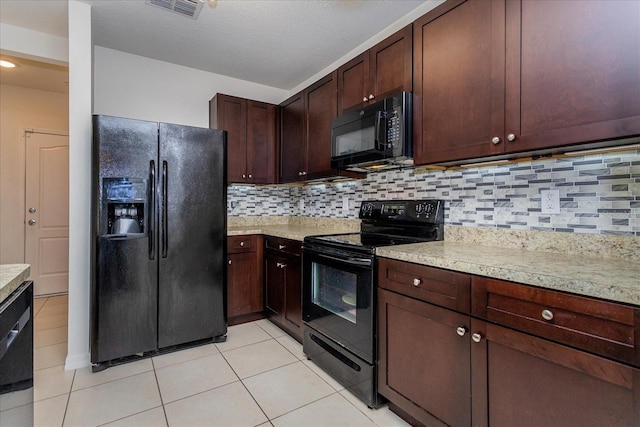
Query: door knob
x,y
32,210
32,222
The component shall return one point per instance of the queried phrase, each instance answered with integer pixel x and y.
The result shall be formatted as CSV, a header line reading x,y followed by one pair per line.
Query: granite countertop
x,y
11,276
293,232
600,266
607,278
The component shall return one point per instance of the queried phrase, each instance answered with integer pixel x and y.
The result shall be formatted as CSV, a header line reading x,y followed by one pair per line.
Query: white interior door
x,y
47,211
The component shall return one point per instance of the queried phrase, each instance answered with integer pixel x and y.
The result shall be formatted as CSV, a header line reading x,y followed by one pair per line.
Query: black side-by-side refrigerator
x,y
158,237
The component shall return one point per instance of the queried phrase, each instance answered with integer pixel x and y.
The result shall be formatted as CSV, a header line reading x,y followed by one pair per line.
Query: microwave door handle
x,y
381,124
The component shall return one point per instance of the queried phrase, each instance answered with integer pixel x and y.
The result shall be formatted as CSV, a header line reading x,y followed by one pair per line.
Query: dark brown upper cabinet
x,y
305,146
251,137
506,79
382,70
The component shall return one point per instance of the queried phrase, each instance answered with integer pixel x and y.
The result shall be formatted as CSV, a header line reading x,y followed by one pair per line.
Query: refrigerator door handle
x,y
151,221
165,239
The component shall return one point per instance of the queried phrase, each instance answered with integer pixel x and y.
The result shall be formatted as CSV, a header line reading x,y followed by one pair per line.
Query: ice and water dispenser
x,y
125,204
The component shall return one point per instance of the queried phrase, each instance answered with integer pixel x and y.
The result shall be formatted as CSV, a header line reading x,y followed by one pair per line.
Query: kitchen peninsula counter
x,y
613,279
11,276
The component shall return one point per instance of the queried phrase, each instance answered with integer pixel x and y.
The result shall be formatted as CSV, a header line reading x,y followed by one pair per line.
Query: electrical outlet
x,y
301,205
345,205
550,201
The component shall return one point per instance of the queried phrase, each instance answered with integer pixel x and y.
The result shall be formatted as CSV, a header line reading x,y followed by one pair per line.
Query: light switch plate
x,y
550,201
345,205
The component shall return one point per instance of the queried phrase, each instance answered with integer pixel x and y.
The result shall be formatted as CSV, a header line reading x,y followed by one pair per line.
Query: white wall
x,y
80,136
21,108
136,87
33,45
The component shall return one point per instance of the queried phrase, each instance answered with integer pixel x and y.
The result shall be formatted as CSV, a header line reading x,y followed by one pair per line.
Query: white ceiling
x,y
279,43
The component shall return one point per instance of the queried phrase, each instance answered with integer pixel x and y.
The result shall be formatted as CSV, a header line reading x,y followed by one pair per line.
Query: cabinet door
x,y
261,142
424,364
321,104
293,151
573,72
232,117
353,83
459,81
274,286
241,283
390,65
293,296
520,380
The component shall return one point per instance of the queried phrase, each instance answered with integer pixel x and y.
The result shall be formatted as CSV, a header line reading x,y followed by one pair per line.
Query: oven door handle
x,y
361,262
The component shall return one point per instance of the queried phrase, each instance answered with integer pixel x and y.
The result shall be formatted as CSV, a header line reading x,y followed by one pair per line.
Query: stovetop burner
x,y
388,223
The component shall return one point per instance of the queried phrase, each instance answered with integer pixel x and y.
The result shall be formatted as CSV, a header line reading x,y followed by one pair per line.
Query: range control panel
x,y
423,211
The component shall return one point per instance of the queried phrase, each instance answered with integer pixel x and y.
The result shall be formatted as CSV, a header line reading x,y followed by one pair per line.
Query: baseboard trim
x,y
77,361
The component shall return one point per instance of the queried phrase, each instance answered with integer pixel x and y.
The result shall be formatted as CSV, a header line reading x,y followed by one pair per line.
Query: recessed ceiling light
x,y
6,64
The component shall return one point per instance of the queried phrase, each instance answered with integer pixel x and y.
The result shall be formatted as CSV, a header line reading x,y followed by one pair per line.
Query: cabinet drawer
x,y
605,328
239,244
441,287
286,246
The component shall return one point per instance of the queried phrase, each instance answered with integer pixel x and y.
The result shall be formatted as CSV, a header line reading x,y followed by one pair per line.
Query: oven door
x,y
338,298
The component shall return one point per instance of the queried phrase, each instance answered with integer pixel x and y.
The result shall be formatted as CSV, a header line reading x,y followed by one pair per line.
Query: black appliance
x,y
16,340
339,288
158,238
374,137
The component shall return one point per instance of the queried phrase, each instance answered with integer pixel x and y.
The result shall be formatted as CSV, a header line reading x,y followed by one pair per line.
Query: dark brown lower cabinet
x,y
423,363
283,284
244,279
440,367
521,380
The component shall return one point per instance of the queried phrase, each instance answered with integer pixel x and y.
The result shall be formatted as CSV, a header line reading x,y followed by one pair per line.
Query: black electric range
x,y
339,288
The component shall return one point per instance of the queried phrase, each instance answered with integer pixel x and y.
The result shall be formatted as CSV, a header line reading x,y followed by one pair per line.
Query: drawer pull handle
x,y
547,315
461,330
476,337
416,282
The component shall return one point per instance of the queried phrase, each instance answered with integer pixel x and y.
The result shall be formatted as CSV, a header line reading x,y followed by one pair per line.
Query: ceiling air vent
x,y
190,8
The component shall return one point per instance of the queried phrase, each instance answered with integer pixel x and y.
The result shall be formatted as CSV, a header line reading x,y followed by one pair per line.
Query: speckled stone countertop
x,y
614,279
295,228
596,265
11,276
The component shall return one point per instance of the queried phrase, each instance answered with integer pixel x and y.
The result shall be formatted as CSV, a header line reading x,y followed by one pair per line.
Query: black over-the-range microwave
x,y
374,137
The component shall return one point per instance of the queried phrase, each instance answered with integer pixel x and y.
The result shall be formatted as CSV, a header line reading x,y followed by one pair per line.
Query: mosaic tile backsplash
x,y
598,194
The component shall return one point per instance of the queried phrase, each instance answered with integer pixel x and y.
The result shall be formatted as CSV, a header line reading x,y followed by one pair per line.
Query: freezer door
x,y
192,219
124,290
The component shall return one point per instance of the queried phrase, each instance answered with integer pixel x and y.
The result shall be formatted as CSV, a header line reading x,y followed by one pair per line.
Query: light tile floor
x,y
259,377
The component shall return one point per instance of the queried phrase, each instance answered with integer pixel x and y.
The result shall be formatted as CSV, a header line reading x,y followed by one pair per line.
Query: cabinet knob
x,y
476,337
416,282
281,247
495,140
281,265
32,222
229,262
371,96
244,176
242,244
547,315
365,99
299,173
304,172
511,137
32,210
461,330
250,176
